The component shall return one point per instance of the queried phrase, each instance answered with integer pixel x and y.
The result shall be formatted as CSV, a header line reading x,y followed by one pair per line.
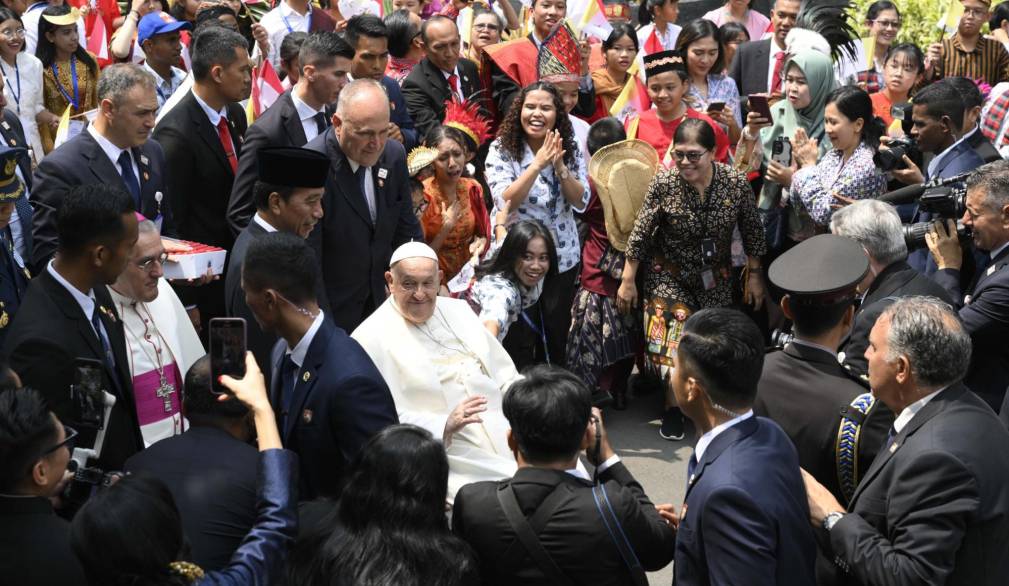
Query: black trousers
x,y
548,319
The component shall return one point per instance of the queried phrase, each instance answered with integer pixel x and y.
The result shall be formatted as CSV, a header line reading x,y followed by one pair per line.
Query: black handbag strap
x,y
616,532
525,532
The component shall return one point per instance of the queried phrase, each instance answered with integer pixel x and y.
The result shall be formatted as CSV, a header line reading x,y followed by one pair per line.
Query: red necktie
x,y
453,80
779,62
229,147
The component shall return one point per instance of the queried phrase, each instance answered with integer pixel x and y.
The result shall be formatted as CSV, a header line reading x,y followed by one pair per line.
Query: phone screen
x,y
227,350
716,106
758,103
87,391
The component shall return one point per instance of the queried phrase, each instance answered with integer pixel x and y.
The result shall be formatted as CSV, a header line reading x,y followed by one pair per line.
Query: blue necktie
x,y
96,321
130,178
287,371
691,467
890,436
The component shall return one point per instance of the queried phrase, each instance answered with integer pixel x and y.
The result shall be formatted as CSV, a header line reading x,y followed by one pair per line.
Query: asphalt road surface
x,y
659,465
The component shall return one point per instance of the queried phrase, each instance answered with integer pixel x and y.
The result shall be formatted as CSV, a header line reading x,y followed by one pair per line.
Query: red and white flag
x,y
98,40
653,44
266,88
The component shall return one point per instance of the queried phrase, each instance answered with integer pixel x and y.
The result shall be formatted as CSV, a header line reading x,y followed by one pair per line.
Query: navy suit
x,y
339,401
353,250
746,517
81,161
399,114
985,313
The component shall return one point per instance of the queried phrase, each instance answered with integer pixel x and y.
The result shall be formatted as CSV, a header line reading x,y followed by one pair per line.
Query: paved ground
x,y
659,465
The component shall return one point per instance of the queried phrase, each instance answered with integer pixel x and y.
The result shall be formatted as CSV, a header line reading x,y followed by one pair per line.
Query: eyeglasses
x,y
692,156
894,24
488,26
897,67
14,34
148,265
69,440
978,12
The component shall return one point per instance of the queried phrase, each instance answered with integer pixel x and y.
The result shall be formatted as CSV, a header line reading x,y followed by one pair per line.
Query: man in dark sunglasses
x,y
35,449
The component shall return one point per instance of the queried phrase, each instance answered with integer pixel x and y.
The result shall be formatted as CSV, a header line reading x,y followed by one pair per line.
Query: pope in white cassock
x,y
446,372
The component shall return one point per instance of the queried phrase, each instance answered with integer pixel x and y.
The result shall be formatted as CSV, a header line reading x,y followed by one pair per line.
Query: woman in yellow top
x,y
69,72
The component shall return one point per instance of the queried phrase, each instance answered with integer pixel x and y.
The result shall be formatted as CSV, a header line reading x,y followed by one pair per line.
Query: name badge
x,y
383,173
143,159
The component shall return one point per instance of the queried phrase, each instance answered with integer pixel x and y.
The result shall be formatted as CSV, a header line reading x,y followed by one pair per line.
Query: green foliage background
x,y
919,19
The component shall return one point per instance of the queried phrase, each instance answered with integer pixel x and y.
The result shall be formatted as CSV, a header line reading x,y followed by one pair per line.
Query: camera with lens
x,y
781,338
944,203
892,157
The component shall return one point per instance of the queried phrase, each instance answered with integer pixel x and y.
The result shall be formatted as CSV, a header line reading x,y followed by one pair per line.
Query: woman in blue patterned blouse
x,y
847,170
535,170
700,44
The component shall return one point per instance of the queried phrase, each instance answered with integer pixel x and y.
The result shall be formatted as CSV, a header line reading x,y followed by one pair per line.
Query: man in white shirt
x,y
290,16
935,502
158,35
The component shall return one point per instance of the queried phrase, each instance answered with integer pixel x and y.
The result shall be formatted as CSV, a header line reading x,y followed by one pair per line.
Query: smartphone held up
x,y
227,350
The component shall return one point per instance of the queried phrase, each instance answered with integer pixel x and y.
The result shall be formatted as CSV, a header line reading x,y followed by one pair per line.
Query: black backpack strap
x,y
617,534
525,533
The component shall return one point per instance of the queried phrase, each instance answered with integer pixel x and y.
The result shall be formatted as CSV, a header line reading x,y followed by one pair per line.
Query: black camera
x,y
944,203
892,157
781,338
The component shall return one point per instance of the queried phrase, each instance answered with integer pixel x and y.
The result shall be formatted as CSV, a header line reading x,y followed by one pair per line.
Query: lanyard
x,y
7,79
308,16
73,78
542,332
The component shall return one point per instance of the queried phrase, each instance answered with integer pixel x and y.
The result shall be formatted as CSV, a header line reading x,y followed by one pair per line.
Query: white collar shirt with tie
x,y
307,114
369,188
456,88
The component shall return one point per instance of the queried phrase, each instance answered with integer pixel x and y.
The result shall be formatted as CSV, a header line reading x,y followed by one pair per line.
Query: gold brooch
x,y
108,313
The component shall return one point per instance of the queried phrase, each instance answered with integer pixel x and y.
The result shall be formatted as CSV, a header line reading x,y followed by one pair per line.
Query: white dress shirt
x,y
280,22
707,438
263,223
770,66
300,349
166,87
113,153
934,165
86,302
307,115
911,410
213,115
457,88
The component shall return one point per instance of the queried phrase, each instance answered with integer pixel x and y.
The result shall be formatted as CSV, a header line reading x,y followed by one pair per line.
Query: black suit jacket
x,y
201,177
574,536
983,147
81,161
340,400
426,91
212,477
805,391
933,509
896,280
48,333
35,544
355,252
258,342
279,126
985,314
749,67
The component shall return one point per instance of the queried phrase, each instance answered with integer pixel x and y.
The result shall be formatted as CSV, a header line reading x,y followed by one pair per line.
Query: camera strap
x,y
618,536
525,531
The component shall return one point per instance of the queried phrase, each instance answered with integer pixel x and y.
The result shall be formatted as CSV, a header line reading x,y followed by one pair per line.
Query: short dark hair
x,y
967,90
402,32
723,349
322,47
283,262
214,45
998,15
290,47
213,13
364,25
261,191
433,19
26,430
941,99
201,404
90,214
732,29
604,132
548,409
911,50
696,30
810,320
879,6
695,130
621,30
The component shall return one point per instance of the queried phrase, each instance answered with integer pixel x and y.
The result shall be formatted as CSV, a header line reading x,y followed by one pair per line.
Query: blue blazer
x,y
984,310
340,401
399,114
746,517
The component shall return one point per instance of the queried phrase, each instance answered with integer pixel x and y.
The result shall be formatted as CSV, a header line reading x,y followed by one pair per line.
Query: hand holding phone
x,y
227,350
716,106
758,103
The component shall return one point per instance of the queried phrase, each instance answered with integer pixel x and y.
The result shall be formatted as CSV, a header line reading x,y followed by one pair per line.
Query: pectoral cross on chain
x,y
164,392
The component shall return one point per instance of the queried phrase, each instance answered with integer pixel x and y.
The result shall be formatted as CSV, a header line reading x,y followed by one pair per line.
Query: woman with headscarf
x,y
807,84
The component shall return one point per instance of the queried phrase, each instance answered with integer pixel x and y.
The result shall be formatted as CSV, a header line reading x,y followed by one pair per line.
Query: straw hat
x,y
621,173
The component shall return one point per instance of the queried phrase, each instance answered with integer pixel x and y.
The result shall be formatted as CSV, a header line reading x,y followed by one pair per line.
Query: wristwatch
x,y
831,519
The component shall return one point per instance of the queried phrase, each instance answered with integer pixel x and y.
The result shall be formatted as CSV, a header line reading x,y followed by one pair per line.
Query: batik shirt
x,y
814,187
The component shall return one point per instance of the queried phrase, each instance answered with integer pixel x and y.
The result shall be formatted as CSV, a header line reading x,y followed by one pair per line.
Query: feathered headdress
x,y
559,57
824,25
465,116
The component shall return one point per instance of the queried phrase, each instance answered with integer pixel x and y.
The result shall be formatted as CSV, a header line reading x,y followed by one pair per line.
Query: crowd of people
x,y
453,234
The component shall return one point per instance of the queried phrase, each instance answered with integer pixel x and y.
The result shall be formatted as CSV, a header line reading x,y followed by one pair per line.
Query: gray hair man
x,y
367,204
984,303
115,150
160,337
934,505
876,226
